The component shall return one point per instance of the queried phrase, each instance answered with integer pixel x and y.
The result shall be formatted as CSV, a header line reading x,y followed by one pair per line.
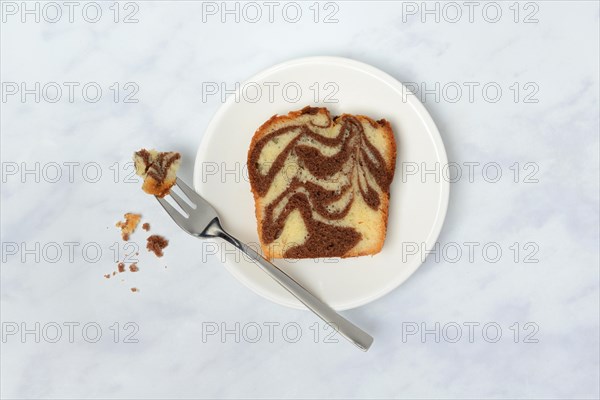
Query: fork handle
x,y
346,328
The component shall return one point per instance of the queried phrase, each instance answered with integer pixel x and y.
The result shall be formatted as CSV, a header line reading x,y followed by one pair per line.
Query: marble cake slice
x,y
321,186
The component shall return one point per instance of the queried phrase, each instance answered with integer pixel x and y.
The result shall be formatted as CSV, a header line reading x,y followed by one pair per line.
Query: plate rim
x,y
422,113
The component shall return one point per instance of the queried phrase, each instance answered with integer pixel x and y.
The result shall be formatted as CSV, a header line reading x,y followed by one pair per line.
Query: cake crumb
x,y
128,226
156,244
134,289
146,226
114,273
107,276
134,268
121,267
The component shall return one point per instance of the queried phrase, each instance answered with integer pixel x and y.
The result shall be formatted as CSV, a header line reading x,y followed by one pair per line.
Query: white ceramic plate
x,y
417,209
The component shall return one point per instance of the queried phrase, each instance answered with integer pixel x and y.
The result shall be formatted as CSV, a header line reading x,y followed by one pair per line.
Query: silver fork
x,y
203,221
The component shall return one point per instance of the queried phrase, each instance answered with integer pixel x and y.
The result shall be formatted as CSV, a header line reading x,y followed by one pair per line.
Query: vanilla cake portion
x,y
321,184
128,226
159,170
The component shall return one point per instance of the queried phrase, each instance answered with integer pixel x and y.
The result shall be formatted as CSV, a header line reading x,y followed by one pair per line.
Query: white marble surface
x,y
169,53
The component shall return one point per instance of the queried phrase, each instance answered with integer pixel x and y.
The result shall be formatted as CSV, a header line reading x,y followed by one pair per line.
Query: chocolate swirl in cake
x,y
355,159
157,167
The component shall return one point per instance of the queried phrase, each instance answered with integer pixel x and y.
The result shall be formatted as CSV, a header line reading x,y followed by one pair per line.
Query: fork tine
x,y
182,203
190,193
172,211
